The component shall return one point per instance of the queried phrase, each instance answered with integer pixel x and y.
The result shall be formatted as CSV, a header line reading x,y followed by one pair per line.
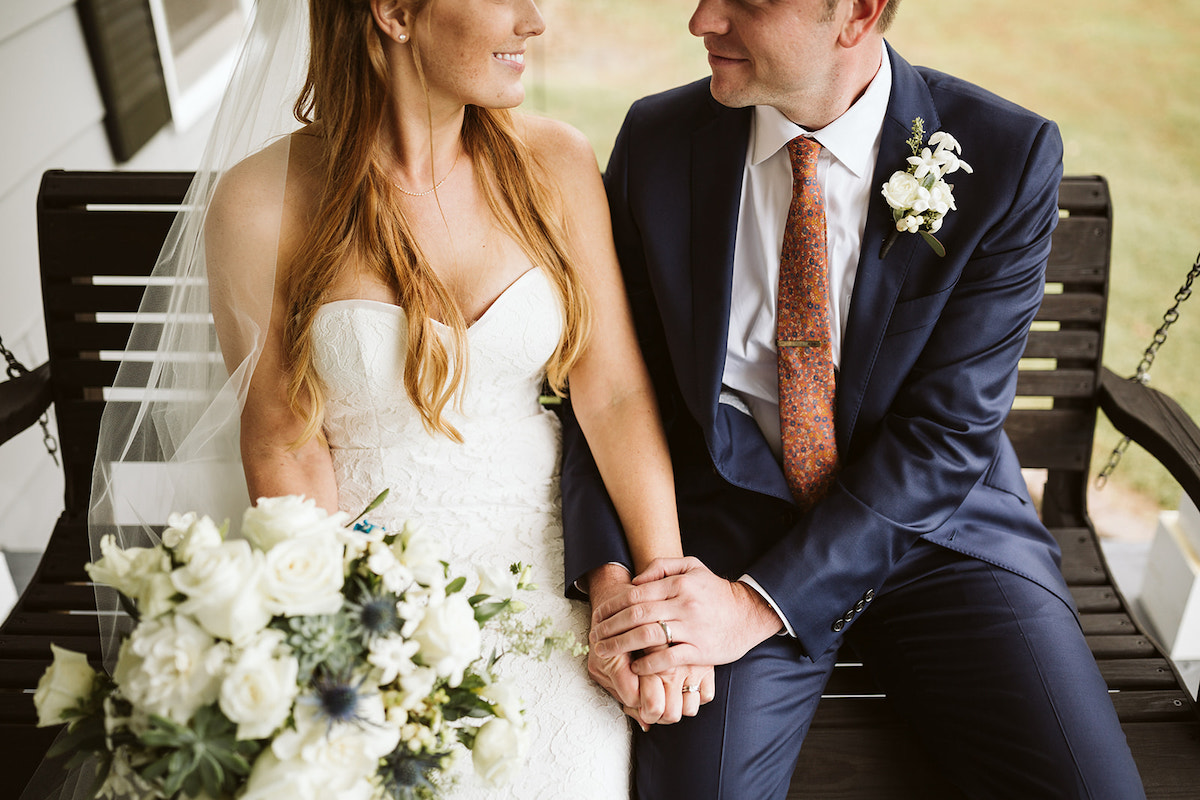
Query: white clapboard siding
x,y
55,121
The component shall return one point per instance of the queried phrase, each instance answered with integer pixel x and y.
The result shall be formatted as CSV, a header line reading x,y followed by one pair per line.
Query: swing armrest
x,y
1157,423
23,400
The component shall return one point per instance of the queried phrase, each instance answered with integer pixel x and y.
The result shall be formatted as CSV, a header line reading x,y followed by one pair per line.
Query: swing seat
x,y
857,747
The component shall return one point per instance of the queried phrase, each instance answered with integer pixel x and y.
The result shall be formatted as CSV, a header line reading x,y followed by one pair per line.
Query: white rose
x,y
422,554
66,683
188,533
157,595
449,637
224,587
273,779
258,691
275,519
505,699
304,576
128,569
350,749
901,190
499,582
499,751
169,666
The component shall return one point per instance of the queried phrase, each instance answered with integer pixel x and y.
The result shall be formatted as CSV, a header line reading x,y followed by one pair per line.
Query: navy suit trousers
x,y
990,669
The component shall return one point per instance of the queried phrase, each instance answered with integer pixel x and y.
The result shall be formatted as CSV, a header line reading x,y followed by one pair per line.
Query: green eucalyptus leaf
x,y
934,243
456,585
374,504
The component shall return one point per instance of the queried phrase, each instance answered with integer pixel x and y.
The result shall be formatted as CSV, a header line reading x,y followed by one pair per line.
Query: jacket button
x,y
859,606
837,626
869,595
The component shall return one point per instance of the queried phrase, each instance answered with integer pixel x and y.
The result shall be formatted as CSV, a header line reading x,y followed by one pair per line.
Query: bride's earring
x,y
402,38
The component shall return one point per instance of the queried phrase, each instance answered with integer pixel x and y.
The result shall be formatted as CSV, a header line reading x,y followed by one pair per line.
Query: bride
x,y
391,285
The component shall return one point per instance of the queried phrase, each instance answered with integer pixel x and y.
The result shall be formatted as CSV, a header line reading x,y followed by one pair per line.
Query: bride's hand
x,y
663,699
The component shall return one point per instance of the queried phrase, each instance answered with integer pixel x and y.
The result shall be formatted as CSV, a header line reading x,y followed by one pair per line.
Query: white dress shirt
x,y
845,168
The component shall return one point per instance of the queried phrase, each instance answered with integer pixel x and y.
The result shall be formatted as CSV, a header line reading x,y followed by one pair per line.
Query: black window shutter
x,y
124,52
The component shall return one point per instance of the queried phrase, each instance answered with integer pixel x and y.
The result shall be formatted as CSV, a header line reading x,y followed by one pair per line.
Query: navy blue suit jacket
x,y
928,367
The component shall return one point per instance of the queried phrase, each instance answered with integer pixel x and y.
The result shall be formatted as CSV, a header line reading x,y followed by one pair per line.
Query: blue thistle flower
x,y
337,698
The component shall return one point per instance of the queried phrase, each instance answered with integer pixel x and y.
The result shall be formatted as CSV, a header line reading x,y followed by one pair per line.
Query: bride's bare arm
x,y
610,388
248,233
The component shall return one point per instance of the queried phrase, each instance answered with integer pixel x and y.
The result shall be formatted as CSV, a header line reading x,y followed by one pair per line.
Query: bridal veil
x,y
169,434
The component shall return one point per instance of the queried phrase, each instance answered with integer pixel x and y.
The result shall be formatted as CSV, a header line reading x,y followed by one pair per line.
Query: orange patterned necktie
x,y
806,378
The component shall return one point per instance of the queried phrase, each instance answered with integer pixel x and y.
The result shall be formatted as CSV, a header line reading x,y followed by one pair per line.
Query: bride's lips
x,y
514,61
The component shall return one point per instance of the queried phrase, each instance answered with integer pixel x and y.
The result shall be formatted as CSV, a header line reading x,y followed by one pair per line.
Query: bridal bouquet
x,y
310,659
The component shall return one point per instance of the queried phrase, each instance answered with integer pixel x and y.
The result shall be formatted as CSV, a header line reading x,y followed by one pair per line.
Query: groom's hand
x,y
711,620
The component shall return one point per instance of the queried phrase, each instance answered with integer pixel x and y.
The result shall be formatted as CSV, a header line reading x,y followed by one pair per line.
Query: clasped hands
x,y
708,619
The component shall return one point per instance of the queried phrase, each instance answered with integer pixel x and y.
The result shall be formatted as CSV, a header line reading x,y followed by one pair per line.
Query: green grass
x,y
1121,78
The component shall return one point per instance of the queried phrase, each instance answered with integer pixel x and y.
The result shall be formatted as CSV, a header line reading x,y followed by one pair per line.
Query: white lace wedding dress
x,y
494,499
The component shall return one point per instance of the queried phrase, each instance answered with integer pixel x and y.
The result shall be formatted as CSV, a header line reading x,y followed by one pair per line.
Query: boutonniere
x,y
919,196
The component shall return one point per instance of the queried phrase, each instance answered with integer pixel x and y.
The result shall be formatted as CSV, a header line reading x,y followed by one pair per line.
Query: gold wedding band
x,y
667,630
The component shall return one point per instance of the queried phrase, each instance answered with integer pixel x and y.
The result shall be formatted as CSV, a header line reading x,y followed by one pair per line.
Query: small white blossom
x,y
925,164
393,655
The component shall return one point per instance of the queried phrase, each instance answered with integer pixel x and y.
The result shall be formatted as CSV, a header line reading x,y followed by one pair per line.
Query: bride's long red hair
x,y
360,225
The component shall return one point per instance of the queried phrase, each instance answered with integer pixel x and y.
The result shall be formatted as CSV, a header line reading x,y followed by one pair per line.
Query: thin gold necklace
x,y
436,186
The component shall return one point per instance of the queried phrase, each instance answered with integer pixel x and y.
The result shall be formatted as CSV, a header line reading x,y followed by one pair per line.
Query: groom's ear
x,y
862,19
393,18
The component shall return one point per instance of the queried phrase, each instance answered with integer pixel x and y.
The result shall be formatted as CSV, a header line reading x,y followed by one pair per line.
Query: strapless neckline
x,y
392,308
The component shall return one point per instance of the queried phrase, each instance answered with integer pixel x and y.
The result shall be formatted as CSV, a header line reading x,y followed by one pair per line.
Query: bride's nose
x,y
530,22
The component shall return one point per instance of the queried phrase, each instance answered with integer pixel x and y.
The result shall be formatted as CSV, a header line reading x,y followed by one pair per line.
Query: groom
x,y
835,415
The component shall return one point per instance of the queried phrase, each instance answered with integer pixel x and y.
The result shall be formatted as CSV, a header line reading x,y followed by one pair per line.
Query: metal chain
x,y
1142,375
15,370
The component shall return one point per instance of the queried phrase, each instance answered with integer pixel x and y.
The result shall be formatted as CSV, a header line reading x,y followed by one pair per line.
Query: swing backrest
x,y
99,236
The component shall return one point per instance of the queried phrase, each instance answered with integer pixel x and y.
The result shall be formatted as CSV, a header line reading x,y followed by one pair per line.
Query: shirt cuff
x,y
584,591
753,584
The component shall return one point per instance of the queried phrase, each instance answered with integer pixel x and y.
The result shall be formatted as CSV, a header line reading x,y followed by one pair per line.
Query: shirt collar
x,y
850,138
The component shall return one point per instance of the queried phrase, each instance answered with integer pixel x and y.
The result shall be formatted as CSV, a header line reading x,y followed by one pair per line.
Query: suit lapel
x,y
878,280
718,159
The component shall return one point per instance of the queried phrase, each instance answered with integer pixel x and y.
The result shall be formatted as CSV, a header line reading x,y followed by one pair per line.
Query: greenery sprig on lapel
x,y
919,196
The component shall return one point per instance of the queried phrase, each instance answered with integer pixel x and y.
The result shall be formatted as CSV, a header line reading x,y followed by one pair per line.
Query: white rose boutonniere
x,y
919,195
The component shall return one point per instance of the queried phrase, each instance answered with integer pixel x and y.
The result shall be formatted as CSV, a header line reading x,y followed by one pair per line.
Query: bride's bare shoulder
x,y
264,199
279,176
559,147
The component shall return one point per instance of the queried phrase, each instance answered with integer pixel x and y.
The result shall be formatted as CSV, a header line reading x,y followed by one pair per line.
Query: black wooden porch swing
x,y
96,225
